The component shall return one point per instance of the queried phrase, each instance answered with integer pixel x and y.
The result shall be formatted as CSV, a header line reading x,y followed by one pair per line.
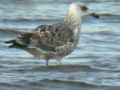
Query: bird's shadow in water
x,y
64,68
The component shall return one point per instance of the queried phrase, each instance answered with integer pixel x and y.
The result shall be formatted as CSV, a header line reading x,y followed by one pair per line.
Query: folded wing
x,y
45,37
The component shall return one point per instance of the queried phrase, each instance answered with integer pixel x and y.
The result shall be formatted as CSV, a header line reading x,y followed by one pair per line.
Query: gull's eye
x,y
84,8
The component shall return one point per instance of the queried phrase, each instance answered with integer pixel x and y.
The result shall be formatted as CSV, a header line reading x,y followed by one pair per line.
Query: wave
x,y
9,84
58,68
75,82
25,19
7,30
108,14
110,17
29,20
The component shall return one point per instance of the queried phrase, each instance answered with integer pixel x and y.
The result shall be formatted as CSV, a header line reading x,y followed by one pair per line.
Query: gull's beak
x,y
91,14
94,15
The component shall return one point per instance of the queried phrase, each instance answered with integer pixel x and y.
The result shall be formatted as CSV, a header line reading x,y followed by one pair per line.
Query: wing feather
x,y
48,37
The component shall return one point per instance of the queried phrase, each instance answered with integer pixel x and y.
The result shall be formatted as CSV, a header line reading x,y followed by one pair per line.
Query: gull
x,y
57,40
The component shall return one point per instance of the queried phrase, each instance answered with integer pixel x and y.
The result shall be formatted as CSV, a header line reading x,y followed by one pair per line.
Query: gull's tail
x,y
21,41
14,44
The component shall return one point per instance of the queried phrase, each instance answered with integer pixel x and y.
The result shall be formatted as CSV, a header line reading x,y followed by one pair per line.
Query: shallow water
x,y
94,65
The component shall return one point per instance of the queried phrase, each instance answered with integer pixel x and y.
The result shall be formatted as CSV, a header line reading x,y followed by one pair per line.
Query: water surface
x,y
94,65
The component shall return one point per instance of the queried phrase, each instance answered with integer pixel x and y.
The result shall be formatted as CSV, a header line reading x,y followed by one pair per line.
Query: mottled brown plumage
x,y
49,39
56,40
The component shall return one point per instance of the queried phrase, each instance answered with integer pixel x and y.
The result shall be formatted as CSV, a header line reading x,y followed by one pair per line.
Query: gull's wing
x,y
45,37
49,37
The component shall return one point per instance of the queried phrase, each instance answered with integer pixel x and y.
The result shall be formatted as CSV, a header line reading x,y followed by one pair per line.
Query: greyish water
x,y
94,65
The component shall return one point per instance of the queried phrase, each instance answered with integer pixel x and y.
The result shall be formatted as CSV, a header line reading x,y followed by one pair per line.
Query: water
x,y
94,65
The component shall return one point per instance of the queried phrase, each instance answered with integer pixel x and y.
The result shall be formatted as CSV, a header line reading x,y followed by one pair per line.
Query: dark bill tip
x,y
95,15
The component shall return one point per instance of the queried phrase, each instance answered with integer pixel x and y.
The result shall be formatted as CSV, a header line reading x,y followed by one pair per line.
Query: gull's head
x,y
77,8
76,11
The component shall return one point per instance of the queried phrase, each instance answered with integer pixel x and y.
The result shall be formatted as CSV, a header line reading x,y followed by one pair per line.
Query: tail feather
x,y
14,44
21,41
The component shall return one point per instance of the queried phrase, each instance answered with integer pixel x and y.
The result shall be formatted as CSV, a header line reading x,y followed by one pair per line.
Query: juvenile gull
x,y
57,40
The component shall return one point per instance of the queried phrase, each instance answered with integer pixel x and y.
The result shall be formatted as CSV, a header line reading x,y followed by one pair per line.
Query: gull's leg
x,y
47,60
59,61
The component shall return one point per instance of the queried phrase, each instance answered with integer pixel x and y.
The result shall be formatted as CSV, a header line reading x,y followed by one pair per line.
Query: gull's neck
x,y
73,17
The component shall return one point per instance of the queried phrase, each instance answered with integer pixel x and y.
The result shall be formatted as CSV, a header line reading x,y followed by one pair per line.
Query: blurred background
x,y
94,65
